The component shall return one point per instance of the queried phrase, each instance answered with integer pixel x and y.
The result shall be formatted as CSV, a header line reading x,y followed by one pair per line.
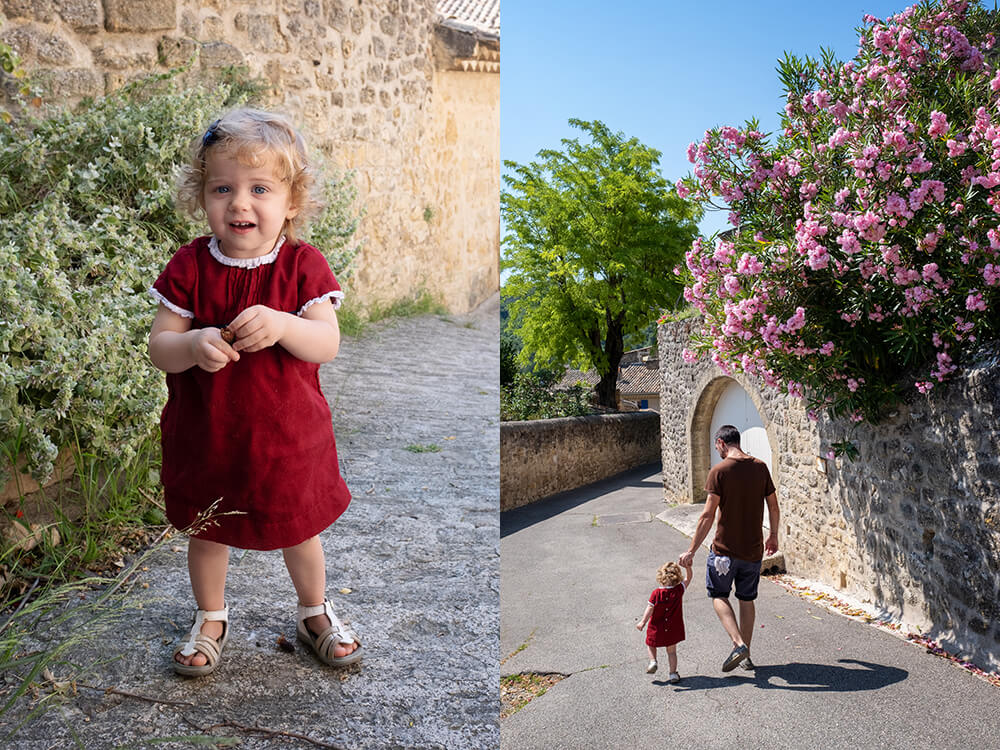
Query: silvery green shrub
x,y
87,222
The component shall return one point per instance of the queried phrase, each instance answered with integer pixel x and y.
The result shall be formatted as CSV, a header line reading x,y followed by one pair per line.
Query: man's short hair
x,y
728,435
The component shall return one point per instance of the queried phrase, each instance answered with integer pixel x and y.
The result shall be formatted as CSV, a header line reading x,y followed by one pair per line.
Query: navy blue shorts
x,y
745,574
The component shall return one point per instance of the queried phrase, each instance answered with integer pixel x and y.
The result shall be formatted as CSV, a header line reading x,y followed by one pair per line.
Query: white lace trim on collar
x,y
213,248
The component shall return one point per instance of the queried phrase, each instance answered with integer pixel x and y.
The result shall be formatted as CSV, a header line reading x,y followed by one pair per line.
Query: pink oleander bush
x,y
866,262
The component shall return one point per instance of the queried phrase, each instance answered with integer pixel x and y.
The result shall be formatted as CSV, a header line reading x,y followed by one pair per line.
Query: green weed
x,y
421,448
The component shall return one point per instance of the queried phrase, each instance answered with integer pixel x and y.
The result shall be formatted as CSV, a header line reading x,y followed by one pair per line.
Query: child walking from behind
x,y
665,616
245,317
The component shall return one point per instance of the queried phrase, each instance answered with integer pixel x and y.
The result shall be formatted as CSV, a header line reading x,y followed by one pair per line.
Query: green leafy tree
x,y
594,232
508,358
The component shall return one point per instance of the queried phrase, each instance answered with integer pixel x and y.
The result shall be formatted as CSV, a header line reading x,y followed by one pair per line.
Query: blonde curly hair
x,y
253,137
669,574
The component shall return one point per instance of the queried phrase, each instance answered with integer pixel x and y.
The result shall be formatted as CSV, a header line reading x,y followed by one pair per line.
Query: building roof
x,y
482,14
572,377
640,379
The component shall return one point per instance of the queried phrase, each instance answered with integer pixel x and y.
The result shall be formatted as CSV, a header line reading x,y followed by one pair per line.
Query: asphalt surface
x,y
413,564
576,572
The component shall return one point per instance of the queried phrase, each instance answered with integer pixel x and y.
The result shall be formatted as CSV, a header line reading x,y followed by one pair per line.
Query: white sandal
x,y
198,643
323,643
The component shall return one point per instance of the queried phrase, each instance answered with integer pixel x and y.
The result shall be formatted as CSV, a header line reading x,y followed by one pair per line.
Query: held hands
x,y
210,352
257,328
686,560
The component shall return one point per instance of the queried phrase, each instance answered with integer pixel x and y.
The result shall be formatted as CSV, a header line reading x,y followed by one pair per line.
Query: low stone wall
x,y
912,526
546,456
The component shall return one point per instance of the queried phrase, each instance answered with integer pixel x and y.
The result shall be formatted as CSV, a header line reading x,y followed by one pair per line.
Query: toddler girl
x,y
665,616
245,317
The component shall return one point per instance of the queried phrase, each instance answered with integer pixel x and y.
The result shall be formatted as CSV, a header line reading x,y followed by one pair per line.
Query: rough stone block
x,y
265,34
327,81
336,14
213,29
81,15
357,21
389,25
72,84
220,55
140,15
174,52
191,25
113,57
313,108
30,42
35,10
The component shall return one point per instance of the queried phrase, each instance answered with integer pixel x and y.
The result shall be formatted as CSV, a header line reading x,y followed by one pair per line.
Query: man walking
x,y
737,487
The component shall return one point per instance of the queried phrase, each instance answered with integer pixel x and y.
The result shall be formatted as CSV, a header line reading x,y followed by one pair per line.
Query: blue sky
x,y
659,70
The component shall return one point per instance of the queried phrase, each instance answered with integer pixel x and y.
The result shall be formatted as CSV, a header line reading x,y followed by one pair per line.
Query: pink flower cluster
x,y
869,234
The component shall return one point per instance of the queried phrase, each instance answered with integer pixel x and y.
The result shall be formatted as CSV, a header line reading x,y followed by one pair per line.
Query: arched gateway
x,y
724,400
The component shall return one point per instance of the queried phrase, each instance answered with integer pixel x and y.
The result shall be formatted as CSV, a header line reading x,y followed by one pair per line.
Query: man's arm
x,y
774,518
705,521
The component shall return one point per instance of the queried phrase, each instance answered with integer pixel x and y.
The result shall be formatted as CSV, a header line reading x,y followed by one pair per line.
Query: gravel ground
x,y
413,563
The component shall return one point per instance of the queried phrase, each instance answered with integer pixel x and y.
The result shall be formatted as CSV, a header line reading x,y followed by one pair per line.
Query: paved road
x,y
576,571
418,549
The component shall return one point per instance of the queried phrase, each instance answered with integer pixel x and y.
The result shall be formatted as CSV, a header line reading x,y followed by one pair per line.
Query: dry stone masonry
x,y
912,526
394,89
543,457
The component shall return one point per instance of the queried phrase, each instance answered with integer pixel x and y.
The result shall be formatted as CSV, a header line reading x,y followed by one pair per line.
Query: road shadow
x,y
516,519
801,677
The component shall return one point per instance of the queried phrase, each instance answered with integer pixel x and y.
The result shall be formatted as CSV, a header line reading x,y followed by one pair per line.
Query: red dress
x,y
666,624
258,433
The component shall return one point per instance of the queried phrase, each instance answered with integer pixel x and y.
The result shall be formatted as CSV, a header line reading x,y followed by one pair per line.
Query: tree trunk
x,y
614,348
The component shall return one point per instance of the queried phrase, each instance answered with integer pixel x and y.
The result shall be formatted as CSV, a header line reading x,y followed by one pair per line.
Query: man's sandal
x,y
198,643
323,643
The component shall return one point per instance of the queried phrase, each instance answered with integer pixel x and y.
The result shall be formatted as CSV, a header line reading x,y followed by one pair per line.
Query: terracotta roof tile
x,y
572,377
639,379
633,380
483,14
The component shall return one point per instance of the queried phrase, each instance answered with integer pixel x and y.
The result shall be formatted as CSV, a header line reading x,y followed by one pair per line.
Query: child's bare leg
x,y
672,657
652,652
307,567
208,563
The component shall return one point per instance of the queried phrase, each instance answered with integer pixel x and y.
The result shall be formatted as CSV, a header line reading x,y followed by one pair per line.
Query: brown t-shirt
x,y
741,484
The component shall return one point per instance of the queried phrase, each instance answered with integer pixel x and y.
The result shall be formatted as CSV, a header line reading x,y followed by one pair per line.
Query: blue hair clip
x,y
210,135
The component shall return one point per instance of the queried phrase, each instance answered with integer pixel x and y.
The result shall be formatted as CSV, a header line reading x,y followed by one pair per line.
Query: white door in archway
x,y
735,407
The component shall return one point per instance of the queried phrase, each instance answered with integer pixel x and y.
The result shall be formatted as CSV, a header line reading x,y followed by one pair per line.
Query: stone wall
x,y
546,456
912,526
383,87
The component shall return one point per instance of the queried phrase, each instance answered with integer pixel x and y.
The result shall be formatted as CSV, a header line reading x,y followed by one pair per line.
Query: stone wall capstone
x,y
912,526
546,456
386,88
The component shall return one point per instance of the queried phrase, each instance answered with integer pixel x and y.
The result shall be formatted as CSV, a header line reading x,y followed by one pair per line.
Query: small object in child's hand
x,y
227,335
284,645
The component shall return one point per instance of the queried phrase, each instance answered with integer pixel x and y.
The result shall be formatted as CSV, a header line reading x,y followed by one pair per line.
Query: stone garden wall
x,y
912,526
546,456
388,88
